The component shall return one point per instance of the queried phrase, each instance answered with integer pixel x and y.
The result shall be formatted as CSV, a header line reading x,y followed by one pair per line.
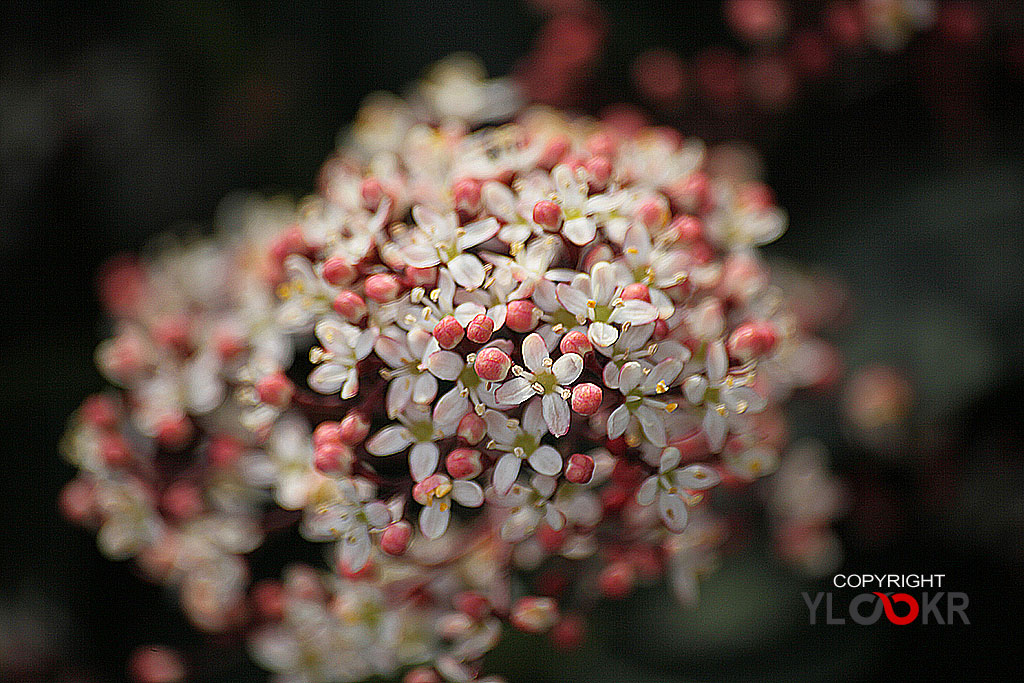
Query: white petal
x,y
533,419
634,312
419,255
696,477
535,352
497,427
356,550
717,361
645,494
653,425
715,428
556,414
664,372
425,389
327,378
467,271
449,409
580,230
399,393
423,460
514,391
467,493
602,282
391,351
546,460
636,245
673,512
669,460
499,200
505,473
602,334
446,365
554,517
390,440
694,388
351,386
567,368
364,343
572,298
630,376
477,233
610,374
434,519
746,398
445,290
617,422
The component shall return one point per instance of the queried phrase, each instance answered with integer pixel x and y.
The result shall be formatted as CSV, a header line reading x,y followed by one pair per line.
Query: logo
x,y
926,608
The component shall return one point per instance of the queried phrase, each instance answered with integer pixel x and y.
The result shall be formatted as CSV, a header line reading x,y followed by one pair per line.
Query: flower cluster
x,y
472,351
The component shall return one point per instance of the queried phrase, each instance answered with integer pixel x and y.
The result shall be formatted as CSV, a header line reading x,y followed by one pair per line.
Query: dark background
x,y
121,120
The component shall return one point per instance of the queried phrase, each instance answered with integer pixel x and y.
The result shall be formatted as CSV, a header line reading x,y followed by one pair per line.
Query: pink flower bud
x,y
580,468
686,229
492,364
395,538
224,451
182,500
568,633
556,148
337,271
174,432
382,287
599,169
327,433
332,458
422,675
420,277
173,332
602,144
77,501
228,343
547,214
268,597
466,193
464,463
275,389
99,411
448,332
479,329
661,329
472,604
576,342
534,615
522,316
372,192
586,398
472,428
355,426
616,580
636,290
349,306
288,242
156,664
653,212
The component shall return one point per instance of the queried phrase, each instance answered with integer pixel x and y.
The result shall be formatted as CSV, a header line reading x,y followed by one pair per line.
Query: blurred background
x,y
901,164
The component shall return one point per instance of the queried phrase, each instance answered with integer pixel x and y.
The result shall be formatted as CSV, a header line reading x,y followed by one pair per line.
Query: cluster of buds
x,y
539,346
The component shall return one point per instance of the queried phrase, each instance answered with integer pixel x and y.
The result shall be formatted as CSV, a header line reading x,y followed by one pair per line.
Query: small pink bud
x,y
332,458
616,580
228,343
599,168
687,229
534,615
182,500
326,433
547,214
602,144
580,468
99,411
355,426
586,398
288,242
382,287
653,212
372,192
464,463
349,306
568,633
422,675
275,389
472,604
224,451
337,271
744,342
420,277
466,193
556,148
479,329
268,597
173,332
156,664
636,290
472,428
395,538
661,329
492,364
78,501
522,316
448,332
576,342
174,432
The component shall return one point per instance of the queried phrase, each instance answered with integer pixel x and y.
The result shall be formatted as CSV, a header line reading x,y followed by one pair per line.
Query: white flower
x,y
670,486
582,212
304,296
344,345
435,494
425,310
655,266
595,298
638,384
286,463
439,239
348,512
545,378
520,441
406,355
529,505
724,396
420,429
452,367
